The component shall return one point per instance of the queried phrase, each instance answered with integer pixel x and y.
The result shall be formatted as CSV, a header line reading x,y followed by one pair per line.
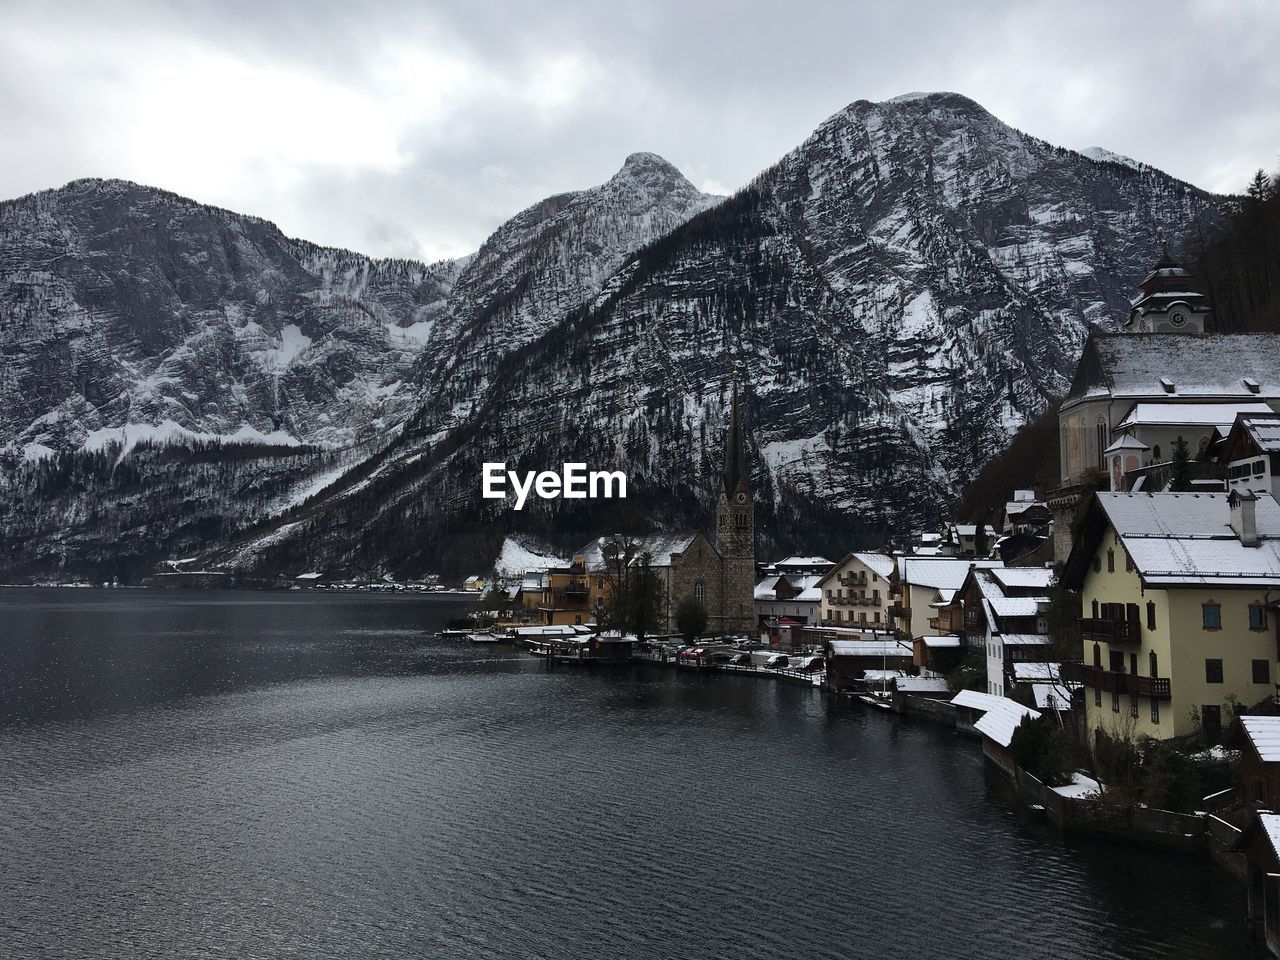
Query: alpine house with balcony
x,y
1176,590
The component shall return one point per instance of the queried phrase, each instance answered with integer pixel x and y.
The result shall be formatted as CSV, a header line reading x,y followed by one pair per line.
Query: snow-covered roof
x,y
808,595
1025,639
1126,442
1016,606
1025,671
1177,538
879,563
1197,365
922,684
939,573
1002,719
869,648
1013,508
1014,578
1051,696
975,700
660,547
1270,824
1264,734
1220,415
804,562
766,588
1264,431
944,642
878,675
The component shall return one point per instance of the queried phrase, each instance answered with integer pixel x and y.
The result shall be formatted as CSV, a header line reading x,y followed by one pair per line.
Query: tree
x,y
1044,751
635,604
1180,467
691,618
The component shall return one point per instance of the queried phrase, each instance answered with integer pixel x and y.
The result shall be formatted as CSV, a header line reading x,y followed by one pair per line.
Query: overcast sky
x,y
413,129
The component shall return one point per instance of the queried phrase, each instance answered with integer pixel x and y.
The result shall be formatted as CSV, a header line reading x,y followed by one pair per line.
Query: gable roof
x,y
1015,578
1264,733
1180,539
1221,415
999,723
940,573
1206,366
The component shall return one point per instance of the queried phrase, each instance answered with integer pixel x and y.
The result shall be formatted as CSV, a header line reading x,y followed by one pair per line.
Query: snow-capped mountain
x,y
899,292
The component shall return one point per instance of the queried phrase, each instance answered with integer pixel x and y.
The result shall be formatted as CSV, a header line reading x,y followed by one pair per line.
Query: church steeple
x,y
737,478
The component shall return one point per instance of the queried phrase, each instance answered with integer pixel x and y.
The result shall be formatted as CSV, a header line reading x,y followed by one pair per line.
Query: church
x,y
1164,380
721,572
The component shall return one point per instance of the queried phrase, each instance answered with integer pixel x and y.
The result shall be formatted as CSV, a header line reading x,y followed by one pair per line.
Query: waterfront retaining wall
x,y
1146,825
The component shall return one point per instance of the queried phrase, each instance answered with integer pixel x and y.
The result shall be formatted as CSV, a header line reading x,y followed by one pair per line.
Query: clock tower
x,y
736,528
1168,302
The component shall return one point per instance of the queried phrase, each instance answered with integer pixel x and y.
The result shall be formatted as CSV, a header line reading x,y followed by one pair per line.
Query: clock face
x,y
1177,318
742,498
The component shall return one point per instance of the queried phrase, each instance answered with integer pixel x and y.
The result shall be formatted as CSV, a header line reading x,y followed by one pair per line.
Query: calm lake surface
x,y
305,775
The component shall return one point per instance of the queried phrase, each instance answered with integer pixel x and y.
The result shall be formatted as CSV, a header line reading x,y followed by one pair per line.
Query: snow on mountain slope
x,y
901,291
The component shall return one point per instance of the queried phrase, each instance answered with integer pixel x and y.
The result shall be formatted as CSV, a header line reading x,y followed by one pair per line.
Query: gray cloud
x,y
396,129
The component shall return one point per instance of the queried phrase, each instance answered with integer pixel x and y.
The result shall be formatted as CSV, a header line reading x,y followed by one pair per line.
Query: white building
x,y
855,591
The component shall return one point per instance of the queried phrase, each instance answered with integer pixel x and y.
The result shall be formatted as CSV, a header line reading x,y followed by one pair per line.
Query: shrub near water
x,y
1044,751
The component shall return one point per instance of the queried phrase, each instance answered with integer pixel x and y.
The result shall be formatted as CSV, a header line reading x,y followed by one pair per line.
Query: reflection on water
x,y
231,775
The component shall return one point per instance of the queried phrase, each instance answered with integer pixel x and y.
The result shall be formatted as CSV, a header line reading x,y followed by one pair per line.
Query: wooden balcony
x,y
1110,631
1113,681
898,611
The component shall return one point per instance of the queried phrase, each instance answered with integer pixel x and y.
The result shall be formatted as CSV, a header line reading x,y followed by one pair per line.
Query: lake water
x,y
308,775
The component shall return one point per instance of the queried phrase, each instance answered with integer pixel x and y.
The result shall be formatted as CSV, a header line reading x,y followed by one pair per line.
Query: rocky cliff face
x,y
899,292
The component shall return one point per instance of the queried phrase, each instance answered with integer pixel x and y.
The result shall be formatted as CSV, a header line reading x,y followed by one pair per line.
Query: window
x,y
1213,671
1097,696
599,583
1155,711
1153,664
740,521
1097,655
1115,701
1133,706
1151,616
699,592
1095,609
1128,563
1211,616
1257,616
1155,453
1261,671
1111,561
1101,430
1097,564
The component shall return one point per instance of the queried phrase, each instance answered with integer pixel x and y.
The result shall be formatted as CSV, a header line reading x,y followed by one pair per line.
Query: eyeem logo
x,y
573,483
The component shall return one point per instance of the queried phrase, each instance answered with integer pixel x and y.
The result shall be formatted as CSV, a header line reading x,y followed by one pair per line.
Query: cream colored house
x,y
1175,594
855,592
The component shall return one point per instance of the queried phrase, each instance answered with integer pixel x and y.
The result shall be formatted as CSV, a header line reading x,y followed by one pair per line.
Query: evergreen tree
x,y
691,618
1180,467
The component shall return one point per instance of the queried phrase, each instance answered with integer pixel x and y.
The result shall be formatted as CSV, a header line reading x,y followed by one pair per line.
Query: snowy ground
x,y
516,558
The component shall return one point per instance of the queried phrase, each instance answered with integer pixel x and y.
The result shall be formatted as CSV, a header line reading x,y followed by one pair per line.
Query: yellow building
x,y
1175,621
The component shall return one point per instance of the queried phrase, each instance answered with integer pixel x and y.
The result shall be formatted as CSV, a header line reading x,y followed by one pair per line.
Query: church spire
x,y
736,475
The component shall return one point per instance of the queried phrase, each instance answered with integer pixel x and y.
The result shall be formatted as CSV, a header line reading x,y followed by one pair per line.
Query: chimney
x,y
1244,517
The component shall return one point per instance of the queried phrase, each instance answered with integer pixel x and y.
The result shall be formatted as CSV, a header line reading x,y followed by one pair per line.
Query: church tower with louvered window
x,y
736,529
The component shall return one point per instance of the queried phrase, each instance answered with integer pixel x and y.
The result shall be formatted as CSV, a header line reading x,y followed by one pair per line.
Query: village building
x,y
1261,845
855,591
800,566
926,586
1251,453
785,604
966,540
1137,389
1004,617
849,660
1175,623
1257,736
1026,514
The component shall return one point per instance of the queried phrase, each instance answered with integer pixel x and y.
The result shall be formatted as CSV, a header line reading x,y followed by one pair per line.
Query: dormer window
x,y
1168,385
1252,385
